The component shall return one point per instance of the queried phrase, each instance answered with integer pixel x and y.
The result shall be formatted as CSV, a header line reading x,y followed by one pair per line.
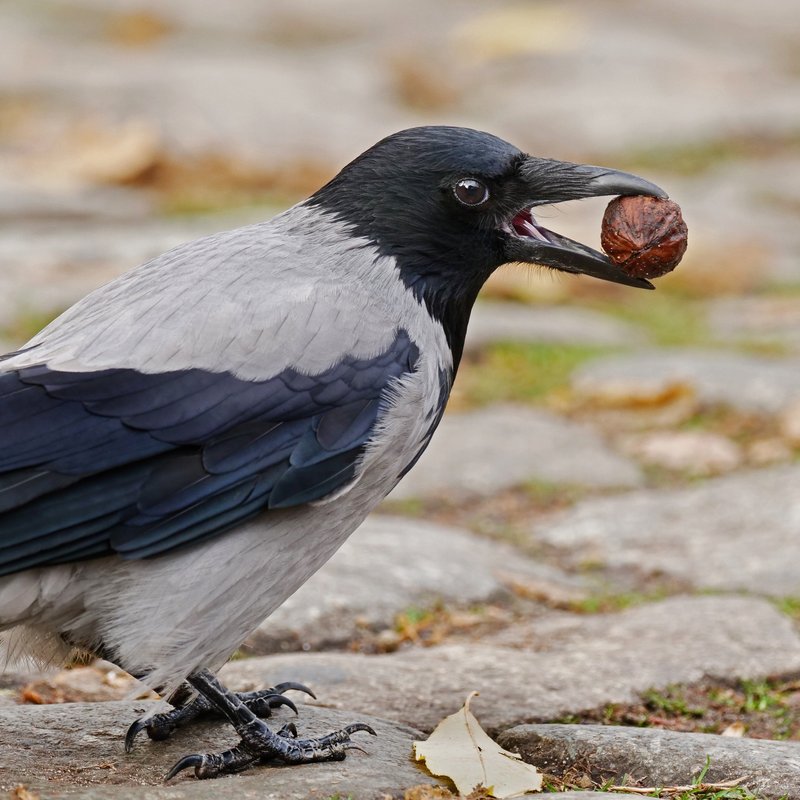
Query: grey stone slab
x,y
502,446
387,566
493,322
74,750
659,758
767,320
696,453
737,532
744,382
544,669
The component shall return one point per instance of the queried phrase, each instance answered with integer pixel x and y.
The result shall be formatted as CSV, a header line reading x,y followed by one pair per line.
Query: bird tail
x,y
24,648
26,633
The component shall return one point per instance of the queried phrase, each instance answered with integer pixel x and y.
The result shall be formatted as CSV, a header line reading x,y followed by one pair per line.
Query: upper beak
x,y
546,181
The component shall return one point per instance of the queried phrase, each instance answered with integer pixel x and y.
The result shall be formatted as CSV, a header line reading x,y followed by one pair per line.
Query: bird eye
x,y
471,192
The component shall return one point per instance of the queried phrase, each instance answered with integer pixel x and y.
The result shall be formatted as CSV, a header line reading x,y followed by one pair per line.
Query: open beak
x,y
544,181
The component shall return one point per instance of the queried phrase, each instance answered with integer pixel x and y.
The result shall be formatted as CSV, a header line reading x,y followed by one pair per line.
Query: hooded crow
x,y
188,444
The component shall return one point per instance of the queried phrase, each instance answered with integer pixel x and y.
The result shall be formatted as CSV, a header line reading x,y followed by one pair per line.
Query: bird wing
x,y
121,461
236,373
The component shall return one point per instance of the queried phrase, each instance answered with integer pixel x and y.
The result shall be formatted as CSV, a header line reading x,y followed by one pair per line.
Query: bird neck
x,y
442,262
449,300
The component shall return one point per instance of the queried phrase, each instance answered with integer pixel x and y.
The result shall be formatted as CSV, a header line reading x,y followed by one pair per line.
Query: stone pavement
x,y
526,445
391,565
738,380
712,536
546,669
567,546
660,758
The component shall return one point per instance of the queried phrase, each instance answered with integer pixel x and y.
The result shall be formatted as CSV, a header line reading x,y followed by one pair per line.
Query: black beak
x,y
543,181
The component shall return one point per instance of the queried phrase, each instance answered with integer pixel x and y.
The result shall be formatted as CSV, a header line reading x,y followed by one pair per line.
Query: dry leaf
x,y
23,793
83,684
461,750
734,729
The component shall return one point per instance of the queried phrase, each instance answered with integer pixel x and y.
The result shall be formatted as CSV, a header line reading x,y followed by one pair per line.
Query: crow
x,y
189,443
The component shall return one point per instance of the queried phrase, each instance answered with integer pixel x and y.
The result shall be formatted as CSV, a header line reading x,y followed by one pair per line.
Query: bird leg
x,y
161,726
258,742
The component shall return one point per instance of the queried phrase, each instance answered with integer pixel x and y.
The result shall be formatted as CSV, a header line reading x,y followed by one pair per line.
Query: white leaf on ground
x,y
461,750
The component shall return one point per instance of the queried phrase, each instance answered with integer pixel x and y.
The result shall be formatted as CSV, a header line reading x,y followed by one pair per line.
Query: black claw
x,y
288,730
195,761
133,732
280,700
359,726
280,688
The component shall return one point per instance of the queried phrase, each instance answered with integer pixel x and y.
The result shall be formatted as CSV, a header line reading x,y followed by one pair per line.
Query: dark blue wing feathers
x,y
89,536
120,461
209,525
101,453
144,530
23,485
305,484
83,501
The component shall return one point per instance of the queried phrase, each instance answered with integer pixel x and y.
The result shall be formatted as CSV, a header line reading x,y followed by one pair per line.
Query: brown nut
x,y
645,236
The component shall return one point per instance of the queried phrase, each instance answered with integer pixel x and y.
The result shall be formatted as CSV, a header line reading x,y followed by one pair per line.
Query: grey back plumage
x,y
252,301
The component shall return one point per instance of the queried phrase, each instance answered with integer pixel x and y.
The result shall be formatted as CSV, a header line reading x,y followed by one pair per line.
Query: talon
x,y
353,746
288,730
195,761
359,726
135,729
280,700
280,688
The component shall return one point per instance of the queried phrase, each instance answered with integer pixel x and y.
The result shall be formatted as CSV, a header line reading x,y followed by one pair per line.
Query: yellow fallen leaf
x,y
461,750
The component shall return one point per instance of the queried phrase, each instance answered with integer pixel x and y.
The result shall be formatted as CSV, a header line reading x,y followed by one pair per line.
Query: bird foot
x,y
259,743
162,726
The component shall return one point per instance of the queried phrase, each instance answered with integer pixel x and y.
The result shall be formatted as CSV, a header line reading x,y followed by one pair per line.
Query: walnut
x,y
645,236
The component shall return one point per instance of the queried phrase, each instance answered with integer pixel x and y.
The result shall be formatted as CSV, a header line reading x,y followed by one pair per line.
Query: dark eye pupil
x,y
471,192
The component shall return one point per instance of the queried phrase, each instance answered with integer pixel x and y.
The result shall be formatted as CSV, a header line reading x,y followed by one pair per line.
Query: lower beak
x,y
555,182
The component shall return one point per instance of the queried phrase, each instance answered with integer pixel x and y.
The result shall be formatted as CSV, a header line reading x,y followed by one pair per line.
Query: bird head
x,y
451,205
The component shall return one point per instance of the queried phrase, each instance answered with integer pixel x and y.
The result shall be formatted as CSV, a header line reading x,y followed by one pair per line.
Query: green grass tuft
x,y
522,373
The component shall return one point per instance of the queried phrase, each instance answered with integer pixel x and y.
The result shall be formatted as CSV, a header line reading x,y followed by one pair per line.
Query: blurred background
x,y
128,126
